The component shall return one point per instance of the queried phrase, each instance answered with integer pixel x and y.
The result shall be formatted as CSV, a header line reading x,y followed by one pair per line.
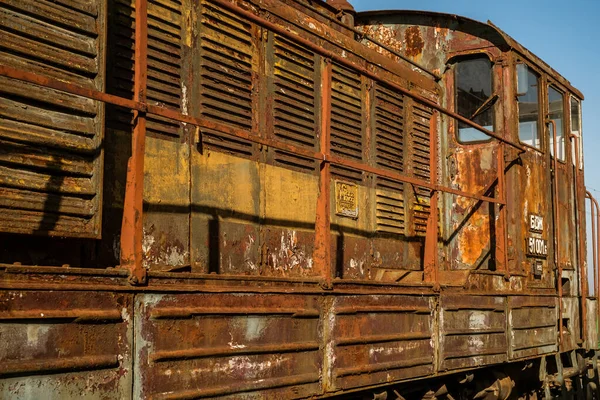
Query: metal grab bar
x,y
595,210
557,230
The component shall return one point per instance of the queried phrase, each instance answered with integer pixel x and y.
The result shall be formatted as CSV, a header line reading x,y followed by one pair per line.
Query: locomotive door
x,y
529,185
471,161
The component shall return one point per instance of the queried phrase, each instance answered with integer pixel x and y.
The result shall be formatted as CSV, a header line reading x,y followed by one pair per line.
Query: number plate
x,y
537,247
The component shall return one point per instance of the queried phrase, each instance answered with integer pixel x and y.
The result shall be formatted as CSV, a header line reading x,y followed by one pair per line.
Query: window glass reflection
x,y
529,109
555,113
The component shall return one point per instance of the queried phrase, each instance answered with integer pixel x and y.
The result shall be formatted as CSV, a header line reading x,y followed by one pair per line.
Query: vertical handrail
x,y
322,249
583,283
594,249
502,235
430,260
132,223
595,209
557,231
597,270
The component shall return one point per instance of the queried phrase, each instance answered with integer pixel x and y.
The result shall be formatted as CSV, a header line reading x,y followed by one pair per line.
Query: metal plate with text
x,y
346,199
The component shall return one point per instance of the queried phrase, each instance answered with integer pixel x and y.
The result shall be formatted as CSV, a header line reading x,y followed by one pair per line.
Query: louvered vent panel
x,y
390,206
420,163
389,154
294,101
389,129
346,119
164,62
50,141
226,57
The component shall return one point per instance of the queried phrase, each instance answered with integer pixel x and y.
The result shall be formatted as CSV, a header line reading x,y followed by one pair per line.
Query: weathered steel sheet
x,y
61,344
379,339
472,331
532,326
593,338
534,172
571,323
51,141
207,345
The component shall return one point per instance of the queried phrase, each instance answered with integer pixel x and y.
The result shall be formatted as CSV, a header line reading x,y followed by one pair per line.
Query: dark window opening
x,y
474,98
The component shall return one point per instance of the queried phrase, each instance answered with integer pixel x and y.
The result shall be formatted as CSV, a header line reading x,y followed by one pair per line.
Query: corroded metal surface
x,y
65,344
206,345
472,331
298,215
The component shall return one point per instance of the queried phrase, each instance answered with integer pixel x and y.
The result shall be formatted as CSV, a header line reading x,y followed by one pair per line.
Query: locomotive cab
x,y
489,78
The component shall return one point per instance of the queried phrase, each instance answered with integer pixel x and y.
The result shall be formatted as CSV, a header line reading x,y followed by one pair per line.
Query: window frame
x,y
580,131
458,59
552,84
540,98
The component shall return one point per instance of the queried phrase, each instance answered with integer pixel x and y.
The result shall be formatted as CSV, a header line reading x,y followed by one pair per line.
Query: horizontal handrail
x,y
176,115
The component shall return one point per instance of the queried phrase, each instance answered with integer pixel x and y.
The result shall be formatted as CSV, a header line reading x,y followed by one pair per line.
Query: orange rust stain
x,y
474,238
414,41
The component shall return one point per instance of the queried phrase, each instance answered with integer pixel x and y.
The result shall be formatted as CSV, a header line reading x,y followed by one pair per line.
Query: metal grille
x,y
226,59
346,119
164,62
389,154
294,101
50,154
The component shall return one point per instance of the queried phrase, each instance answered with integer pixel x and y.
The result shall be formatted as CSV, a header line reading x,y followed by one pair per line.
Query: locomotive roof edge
x,y
505,41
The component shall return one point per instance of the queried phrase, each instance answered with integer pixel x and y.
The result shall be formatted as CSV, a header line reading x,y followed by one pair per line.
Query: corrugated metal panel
x,y
380,339
346,119
59,345
294,112
164,62
227,55
472,331
533,325
211,345
50,142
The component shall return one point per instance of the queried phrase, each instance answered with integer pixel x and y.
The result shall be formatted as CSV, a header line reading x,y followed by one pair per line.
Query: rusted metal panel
x,y
534,171
50,141
225,212
65,345
593,338
210,345
532,324
472,331
378,339
571,323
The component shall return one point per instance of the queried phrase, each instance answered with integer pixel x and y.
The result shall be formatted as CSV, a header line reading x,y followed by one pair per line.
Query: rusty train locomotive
x,y
286,199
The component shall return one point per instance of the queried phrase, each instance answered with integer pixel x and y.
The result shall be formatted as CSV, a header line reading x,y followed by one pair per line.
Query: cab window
x,y
528,100
474,97
555,113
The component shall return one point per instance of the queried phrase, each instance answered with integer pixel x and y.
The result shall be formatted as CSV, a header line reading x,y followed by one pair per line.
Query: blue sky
x,y
563,33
